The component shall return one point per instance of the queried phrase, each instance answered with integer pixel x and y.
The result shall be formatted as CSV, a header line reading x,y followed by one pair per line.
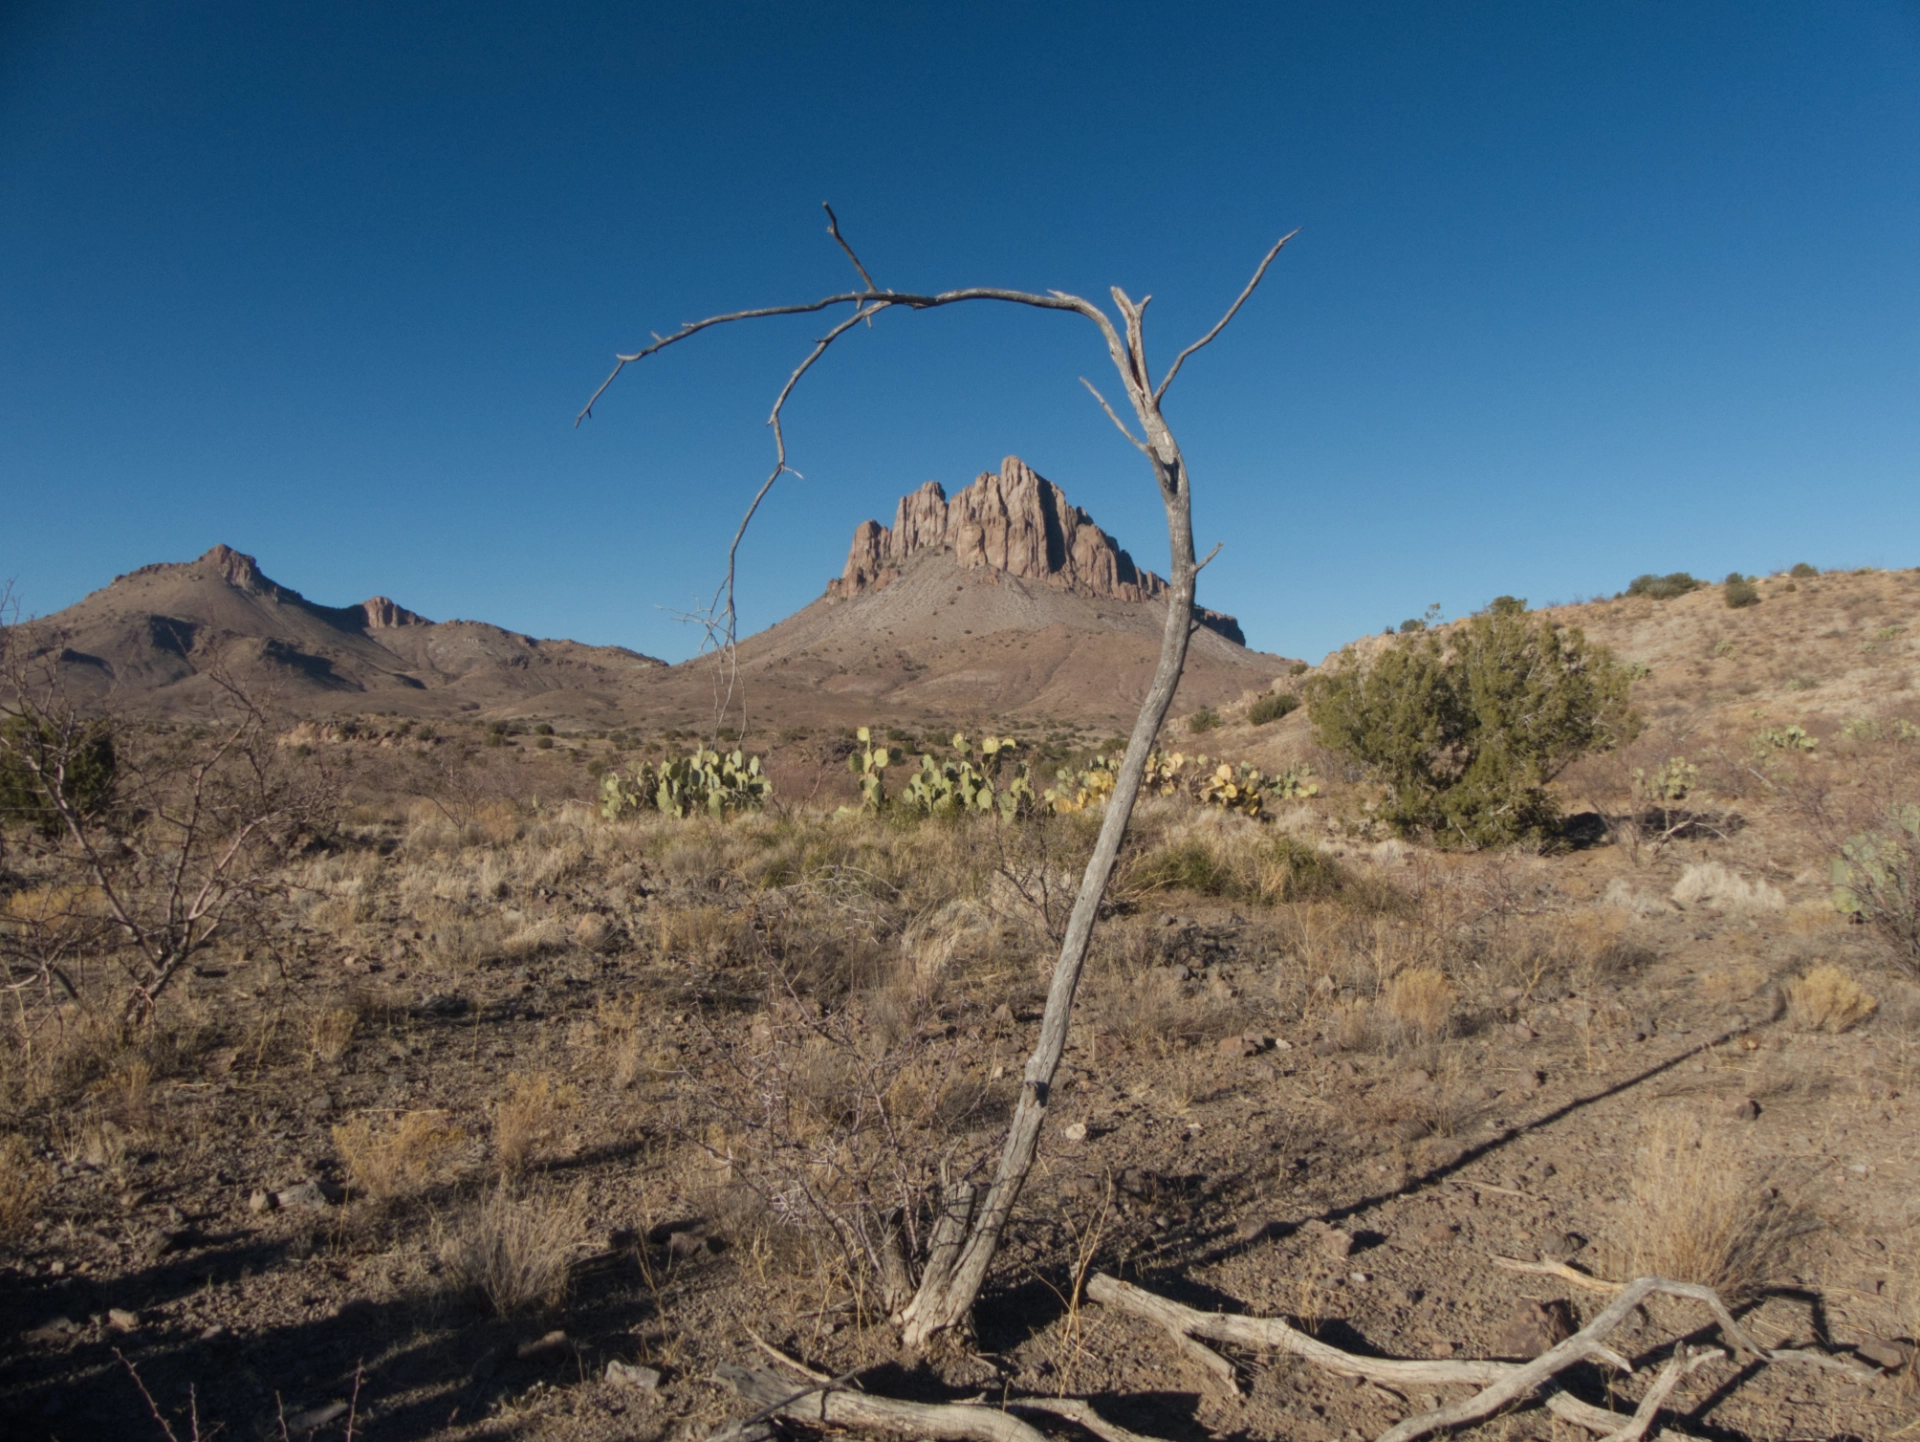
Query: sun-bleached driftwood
x,y
1500,1383
1080,1412
1562,1270
823,1404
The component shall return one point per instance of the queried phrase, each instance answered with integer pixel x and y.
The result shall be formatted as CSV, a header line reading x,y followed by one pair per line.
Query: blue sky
x,y
1579,292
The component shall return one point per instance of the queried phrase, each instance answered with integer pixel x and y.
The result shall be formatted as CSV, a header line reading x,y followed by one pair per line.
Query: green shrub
x,y
1507,606
1298,668
1663,588
46,758
1740,591
1203,720
1272,706
1801,571
1466,730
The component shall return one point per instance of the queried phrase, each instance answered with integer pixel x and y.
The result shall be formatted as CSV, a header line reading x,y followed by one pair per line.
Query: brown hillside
x,y
151,641
1815,652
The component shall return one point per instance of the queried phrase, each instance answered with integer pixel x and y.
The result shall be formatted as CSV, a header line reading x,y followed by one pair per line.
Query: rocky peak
x,y
238,570
1010,520
382,613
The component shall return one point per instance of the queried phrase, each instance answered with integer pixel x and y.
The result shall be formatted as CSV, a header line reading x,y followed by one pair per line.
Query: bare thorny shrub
x,y
837,1120
141,853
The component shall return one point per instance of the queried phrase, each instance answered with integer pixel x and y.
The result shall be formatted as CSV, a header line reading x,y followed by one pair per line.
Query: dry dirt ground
x,y
515,1093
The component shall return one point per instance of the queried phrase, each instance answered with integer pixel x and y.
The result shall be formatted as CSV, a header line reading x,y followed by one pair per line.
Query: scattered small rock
x,y
1745,1110
687,1244
315,1418
545,1349
57,1330
1329,1239
1534,1327
121,1320
1238,1046
1891,1355
314,1196
1076,1132
630,1374
1561,1246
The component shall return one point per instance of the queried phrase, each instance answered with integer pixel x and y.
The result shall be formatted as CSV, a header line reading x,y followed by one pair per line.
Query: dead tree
x,y
971,1223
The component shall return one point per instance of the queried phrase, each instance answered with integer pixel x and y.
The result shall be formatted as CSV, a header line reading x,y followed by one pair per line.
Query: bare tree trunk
x,y
967,1234
954,1275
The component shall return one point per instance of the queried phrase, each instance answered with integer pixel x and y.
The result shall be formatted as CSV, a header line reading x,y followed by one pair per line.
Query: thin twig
x,y
833,229
1221,324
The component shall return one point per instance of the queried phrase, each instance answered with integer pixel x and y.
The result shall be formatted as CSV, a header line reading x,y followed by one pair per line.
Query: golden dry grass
x,y
513,1255
1698,1214
1827,999
528,1119
1422,1000
387,1161
331,1033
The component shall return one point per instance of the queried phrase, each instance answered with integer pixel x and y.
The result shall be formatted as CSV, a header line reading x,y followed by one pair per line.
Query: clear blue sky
x,y
1580,291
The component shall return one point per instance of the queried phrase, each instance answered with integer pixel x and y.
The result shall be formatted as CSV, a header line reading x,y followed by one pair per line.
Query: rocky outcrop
x,y
1009,520
383,613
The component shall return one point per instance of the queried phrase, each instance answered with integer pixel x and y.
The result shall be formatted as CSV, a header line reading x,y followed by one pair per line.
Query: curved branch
x,y
1221,325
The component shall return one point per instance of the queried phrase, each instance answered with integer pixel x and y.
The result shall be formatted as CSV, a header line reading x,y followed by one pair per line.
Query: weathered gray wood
x,y
827,1405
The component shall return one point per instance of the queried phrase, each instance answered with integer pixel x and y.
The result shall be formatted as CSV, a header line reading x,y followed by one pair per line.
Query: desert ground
x,y
489,1117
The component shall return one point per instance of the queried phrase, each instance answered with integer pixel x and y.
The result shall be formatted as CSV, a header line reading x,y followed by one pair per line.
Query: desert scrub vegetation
x,y
1662,588
389,1159
1701,1212
142,845
1464,729
1272,707
511,1254
1825,998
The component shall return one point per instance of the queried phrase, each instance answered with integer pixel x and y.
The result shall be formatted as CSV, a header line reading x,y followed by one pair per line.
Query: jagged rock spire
x,y
1011,520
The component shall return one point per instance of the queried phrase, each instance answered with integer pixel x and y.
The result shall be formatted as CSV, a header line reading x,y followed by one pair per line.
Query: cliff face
x,y
1010,520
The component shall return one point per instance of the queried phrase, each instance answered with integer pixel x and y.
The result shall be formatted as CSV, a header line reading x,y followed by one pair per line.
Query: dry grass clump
x,y
513,1255
1698,1215
22,1182
1422,1000
1708,883
527,1120
390,1161
1219,854
1827,999
331,1033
